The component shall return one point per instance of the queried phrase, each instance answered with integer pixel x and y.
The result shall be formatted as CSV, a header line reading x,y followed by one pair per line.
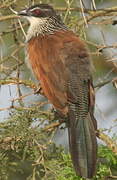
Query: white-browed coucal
x,y
61,62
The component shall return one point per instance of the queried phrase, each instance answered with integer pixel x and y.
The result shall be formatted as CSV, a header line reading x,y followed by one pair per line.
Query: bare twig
x,y
4,18
15,81
112,177
103,83
82,8
52,126
93,13
109,142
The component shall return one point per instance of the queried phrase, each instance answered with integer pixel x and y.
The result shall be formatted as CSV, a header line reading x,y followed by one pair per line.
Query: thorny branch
x,y
92,13
109,142
105,138
18,81
8,17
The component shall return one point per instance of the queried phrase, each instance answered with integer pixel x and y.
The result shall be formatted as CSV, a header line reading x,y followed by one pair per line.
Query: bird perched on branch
x,y
60,61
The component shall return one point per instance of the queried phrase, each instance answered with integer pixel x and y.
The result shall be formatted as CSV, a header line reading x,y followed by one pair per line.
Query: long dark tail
x,y
82,141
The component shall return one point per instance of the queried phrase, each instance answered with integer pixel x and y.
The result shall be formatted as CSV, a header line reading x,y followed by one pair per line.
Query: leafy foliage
x,y
28,153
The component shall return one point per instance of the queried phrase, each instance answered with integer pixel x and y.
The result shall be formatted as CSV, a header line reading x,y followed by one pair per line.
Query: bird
x,y
61,63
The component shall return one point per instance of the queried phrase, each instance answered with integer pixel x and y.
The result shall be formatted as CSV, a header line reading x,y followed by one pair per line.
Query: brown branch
x,y
18,81
97,12
109,142
103,83
50,127
102,47
93,13
112,177
4,18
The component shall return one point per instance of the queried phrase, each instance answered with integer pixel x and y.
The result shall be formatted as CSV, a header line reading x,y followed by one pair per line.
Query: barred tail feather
x,y
82,142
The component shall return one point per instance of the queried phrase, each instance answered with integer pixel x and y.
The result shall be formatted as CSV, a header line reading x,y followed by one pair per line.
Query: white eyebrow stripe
x,y
40,9
35,8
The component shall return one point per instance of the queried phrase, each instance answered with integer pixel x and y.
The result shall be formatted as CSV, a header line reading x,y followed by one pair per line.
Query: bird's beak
x,y
23,13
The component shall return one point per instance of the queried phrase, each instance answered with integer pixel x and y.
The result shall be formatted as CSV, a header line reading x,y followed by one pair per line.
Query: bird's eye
x,y
36,12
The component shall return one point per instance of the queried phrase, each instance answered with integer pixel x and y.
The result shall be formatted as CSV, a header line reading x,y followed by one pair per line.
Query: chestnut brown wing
x,y
80,100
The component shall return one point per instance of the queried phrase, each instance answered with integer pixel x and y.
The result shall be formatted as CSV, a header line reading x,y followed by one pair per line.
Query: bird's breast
x,y
46,64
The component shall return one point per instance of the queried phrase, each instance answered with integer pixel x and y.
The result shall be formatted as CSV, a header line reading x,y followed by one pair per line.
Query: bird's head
x,y
43,20
40,11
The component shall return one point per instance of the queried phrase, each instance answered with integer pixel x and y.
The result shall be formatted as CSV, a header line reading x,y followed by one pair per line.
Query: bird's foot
x,y
39,90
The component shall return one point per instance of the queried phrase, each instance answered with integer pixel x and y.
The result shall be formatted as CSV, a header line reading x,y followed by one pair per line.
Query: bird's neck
x,y
44,26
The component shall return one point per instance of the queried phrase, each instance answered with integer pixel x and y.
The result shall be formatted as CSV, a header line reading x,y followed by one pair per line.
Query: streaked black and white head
x,y
38,11
43,19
